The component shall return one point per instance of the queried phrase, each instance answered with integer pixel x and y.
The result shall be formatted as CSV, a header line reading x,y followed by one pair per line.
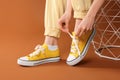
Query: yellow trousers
x,y
54,9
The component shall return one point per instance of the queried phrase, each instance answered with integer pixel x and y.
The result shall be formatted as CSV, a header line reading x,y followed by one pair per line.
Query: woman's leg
x,y
49,51
80,45
53,11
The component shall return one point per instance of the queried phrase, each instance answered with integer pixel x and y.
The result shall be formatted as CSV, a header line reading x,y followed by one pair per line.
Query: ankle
x,y
51,40
77,22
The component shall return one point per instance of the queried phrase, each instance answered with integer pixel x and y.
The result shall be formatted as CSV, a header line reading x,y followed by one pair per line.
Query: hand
x,y
85,25
64,22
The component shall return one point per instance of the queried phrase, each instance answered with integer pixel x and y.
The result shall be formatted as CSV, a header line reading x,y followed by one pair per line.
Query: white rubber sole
x,y
35,63
80,58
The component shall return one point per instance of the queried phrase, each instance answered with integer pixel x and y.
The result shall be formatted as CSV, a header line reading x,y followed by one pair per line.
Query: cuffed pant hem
x,y
52,32
79,14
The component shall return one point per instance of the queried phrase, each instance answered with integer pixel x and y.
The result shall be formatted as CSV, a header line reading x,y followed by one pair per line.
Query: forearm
x,y
68,7
95,8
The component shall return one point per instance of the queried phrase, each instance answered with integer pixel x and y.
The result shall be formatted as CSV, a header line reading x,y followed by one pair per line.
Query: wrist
x,y
91,16
68,13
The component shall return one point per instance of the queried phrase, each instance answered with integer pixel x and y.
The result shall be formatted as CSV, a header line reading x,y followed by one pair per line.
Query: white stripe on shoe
x,y
38,62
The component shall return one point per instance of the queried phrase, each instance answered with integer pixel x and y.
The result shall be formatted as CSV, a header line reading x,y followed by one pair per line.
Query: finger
x,y
64,27
88,28
91,27
83,29
67,27
77,32
81,33
61,25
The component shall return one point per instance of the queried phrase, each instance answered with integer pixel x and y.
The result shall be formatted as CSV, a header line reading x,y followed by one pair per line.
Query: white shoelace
x,y
38,49
75,42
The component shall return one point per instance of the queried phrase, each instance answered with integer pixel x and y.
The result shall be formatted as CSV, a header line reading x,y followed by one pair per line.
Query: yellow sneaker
x,y
79,47
41,55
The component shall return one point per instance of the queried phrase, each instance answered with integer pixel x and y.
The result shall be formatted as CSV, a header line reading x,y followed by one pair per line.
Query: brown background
x,y
21,29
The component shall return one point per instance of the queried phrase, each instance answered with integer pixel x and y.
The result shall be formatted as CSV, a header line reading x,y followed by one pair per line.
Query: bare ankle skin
x,y
77,22
49,40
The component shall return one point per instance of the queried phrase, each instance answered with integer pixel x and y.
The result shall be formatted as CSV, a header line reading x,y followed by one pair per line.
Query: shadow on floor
x,y
99,63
